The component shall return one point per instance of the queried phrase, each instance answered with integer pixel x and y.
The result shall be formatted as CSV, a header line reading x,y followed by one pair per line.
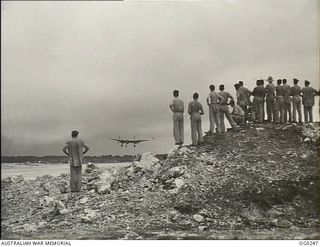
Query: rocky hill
x,y
259,183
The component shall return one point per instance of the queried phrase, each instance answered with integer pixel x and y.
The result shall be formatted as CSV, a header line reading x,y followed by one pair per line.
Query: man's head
x,y
237,86
175,93
306,83
74,133
221,87
284,81
295,81
279,82
241,83
195,96
270,79
232,103
258,82
212,87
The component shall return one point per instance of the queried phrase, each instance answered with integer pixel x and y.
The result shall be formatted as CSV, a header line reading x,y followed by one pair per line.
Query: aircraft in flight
x,y
128,141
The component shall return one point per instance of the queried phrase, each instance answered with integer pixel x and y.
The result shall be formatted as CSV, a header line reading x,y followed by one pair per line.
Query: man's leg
x,y
221,119
269,110
199,131
289,112
215,114
75,178
175,129
181,131
305,111
230,119
211,118
194,132
294,110
299,111
310,114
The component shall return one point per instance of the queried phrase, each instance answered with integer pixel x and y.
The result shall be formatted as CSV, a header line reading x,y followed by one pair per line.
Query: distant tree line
x,y
64,159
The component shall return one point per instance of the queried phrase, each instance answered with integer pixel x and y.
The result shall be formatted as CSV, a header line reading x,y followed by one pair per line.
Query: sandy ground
x,y
32,170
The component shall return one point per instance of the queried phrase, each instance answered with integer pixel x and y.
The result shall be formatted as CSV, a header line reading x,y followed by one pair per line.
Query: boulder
x,y
148,162
198,218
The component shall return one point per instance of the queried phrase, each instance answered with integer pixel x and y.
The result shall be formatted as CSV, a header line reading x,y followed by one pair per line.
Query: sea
x,y
33,170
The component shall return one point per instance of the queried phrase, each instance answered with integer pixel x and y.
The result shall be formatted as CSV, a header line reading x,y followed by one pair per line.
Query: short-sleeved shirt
x,y
214,98
287,90
195,107
295,90
308,94
225,95
259,91
271,91
177,105
280,91
246,90
242,96
75,149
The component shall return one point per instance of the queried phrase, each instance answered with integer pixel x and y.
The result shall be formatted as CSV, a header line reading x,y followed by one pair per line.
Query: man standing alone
x,y
177,107
75,149
195,110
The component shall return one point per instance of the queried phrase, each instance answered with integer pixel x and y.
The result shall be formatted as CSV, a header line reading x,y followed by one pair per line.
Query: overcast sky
x,y
108,69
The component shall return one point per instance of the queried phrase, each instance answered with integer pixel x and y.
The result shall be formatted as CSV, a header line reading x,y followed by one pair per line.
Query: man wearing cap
x,y
258,101
177,107
280,92
224,110
213,100
308,94
296,101
75,149
287,101
195,110
271,99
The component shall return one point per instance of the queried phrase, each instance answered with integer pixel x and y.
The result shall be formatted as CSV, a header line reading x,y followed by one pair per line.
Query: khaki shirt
x,y
75,149
195,107
295,90
214,98
308,94
271,91
225,96
177,105
259,91
280,91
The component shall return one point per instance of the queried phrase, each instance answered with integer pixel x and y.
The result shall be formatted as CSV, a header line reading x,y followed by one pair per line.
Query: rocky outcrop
x,y
262,178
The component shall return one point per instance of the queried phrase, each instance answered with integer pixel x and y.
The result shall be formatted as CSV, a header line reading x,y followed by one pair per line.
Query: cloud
x,y
109,68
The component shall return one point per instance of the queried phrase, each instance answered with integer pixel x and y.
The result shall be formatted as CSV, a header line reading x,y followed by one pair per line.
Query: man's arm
x,y
201,110
86,148
189,108
65,148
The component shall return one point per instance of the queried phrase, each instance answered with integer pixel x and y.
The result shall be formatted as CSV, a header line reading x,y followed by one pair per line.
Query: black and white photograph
x,y
160,120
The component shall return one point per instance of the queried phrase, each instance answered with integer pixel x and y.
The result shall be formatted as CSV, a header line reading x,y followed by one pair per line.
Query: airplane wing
x,y
119,140
137,141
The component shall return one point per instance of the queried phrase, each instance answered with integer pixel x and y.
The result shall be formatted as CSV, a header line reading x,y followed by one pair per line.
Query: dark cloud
x,y
108,68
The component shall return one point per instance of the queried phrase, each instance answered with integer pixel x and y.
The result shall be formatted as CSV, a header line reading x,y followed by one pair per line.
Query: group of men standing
x,y
282,101
218,109
278,98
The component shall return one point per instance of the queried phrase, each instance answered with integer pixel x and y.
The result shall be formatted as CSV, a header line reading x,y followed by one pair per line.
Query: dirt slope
x,y
259,183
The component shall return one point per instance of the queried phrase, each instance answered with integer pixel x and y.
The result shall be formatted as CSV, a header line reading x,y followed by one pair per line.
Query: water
x,y
32,170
